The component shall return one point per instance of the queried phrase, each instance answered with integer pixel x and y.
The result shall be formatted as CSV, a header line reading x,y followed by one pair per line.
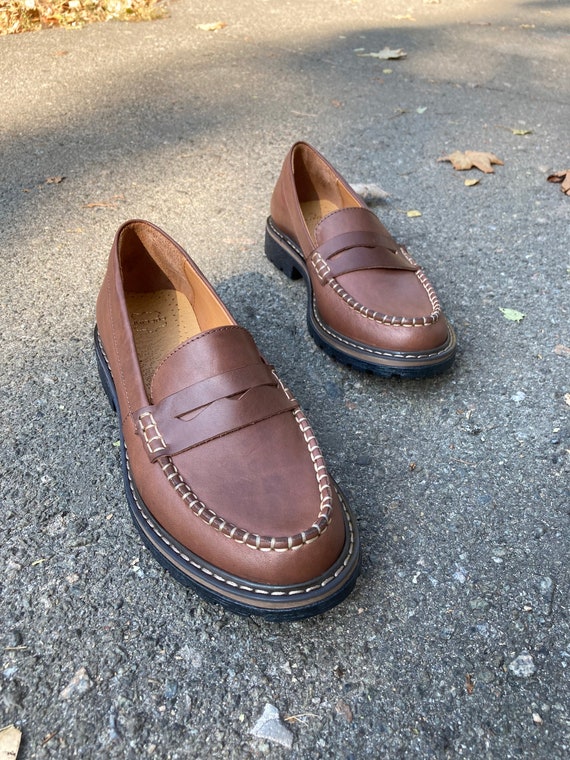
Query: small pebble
x,y
343,708
485,676
460,575
546,587
10,738
79,685
523,666
269,726
171,689
333,390
15,638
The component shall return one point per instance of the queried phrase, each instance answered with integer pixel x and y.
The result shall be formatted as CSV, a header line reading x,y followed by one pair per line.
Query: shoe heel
x,y
279,256
105,374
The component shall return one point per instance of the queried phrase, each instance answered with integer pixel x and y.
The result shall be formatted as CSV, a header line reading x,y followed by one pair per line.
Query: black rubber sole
x,y
285,254
273,603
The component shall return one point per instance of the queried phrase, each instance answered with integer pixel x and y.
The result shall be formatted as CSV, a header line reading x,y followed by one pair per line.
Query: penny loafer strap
x,y
356,250
210,409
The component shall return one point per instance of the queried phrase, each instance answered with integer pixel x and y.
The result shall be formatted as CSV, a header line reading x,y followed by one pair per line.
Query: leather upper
x,y
366,286
218,448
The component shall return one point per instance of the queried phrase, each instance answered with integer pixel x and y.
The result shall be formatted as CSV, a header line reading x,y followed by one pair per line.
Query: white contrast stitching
x,y
253,540
320,266
241,586
155,434
385,319
374,351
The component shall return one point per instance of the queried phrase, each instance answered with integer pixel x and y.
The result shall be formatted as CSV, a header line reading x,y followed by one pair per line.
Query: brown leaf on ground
x,y
54,180
470,159
28,15
562,177
111,203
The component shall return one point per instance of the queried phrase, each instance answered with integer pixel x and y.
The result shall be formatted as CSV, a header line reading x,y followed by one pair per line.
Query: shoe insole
x,y
160,321
313,211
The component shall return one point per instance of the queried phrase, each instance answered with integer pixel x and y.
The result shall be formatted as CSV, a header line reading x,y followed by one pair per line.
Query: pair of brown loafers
x,y
224,476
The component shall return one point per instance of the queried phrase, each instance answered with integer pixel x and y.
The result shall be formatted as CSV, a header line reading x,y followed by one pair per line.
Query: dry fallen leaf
x,y
212,26
54,180
471,182
413,213
111,203
521,131
564,178
385,54
513,315
472,158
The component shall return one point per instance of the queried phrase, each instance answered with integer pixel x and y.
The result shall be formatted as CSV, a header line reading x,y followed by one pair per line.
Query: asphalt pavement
x,y
456,640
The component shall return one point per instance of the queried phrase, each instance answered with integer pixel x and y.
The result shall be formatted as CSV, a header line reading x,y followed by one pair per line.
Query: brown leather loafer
x,y
369,304
223,474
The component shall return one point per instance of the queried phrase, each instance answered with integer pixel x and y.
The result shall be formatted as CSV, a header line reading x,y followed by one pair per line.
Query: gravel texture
x,y
456,641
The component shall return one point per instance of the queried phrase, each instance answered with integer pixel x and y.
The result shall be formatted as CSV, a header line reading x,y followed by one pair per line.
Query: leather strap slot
x,y
222,404
356,239
353,251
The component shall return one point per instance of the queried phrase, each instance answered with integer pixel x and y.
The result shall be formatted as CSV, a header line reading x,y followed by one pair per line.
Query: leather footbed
x,y
161,321
313,211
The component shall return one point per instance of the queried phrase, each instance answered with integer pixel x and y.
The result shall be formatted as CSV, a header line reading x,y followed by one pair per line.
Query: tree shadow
x,y
208,113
